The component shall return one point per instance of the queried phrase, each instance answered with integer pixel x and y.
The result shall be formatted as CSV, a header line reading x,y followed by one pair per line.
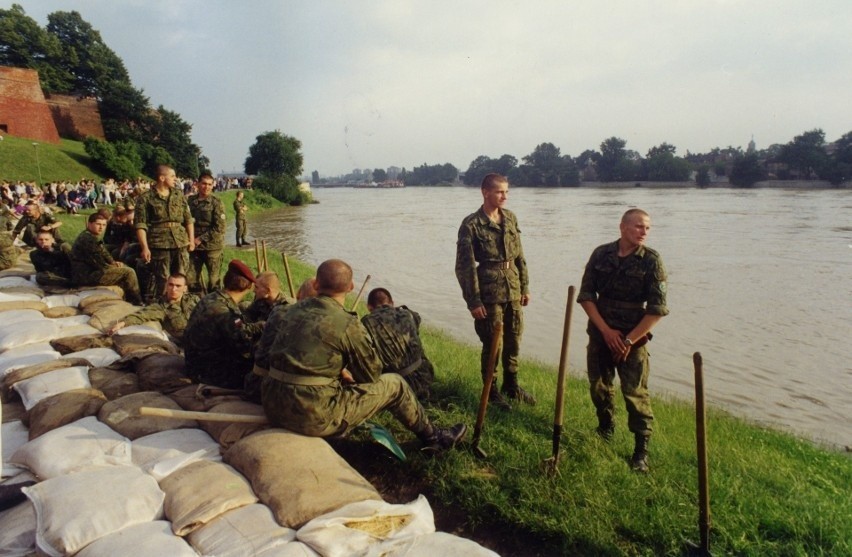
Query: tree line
x,y
72,58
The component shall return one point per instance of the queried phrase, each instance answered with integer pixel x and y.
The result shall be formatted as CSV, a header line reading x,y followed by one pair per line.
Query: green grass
x,y
771,493
66,161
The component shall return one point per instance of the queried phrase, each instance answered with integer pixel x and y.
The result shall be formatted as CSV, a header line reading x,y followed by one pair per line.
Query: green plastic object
x,y
385,438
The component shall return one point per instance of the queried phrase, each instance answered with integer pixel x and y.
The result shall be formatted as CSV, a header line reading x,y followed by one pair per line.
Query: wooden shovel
x,y
289,276
551,463
360,293
496,338
202,416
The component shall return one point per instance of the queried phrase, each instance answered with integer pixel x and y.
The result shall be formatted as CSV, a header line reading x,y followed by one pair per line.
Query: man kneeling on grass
x,y
325,377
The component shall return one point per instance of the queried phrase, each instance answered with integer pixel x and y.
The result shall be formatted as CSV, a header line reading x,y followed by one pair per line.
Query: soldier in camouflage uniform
x,y
172,311
396,336
624,294
218,340
8,251
267,296
165,231
120,233
52,261
92,265
240,219
492,273
209,214
34,220
325,377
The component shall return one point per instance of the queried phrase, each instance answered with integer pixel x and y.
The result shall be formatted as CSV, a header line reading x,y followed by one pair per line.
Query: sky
x,y
379,83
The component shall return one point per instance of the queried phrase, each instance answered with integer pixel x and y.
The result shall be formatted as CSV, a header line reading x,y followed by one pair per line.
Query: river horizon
x,y
757,281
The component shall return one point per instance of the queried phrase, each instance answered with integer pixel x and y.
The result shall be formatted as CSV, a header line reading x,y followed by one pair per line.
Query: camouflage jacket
x,y
259,310
395,334
267,338
624,289
116,234
217,348
56,261
89,259
5,227
240,209
318,338
488,244
44,219
164,219
209,216
173,316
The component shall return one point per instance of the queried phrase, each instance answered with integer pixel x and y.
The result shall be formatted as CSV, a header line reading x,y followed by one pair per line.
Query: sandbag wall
x,y
83,474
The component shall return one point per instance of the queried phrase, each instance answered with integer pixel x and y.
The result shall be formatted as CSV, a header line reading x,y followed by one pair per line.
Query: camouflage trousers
x,y
420,380
8,257
633,375
334,410
512,317
242,230
124,277
198,260
46,278
163,263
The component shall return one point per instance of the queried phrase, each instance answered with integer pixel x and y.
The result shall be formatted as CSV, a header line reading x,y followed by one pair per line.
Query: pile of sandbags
x,y
85,474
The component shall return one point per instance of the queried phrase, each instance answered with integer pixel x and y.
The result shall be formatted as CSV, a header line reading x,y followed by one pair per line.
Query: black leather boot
x,y
443,439
497,400
514,391
606,429
639,460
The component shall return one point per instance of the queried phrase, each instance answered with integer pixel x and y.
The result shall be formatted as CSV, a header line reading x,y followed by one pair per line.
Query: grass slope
x,y
771,493
66,161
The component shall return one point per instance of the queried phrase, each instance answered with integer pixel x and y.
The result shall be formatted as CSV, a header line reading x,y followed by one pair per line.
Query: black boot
x,y
639,460
497,400
443,439
514,391
606,429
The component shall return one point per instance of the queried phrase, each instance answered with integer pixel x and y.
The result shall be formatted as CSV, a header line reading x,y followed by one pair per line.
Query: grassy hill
x,y
44,162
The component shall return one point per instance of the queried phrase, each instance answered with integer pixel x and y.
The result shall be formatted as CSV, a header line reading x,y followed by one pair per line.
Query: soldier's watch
x,y
628,342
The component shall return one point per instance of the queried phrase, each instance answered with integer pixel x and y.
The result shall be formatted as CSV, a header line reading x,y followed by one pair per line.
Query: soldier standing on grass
x,y
492,273
624,294
208,212
240,218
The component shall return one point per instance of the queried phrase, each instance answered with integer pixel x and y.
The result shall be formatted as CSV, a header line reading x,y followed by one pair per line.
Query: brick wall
x,y
23,109
76,117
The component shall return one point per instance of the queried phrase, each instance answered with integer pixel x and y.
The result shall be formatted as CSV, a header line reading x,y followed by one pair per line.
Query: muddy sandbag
x,y
94,307
249,530
122,414
113,383
61,311
86,443
67,345
161,372
298,477
28,372
13,412
227,433
149,539
87,291
63,408
127,344
75,510
104,318
201,491
22,304
192,398
92,297
161,454
18,530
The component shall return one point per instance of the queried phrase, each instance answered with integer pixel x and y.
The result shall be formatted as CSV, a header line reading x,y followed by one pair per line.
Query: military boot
x,y
443,439
514,391
497,400
606,428
639,460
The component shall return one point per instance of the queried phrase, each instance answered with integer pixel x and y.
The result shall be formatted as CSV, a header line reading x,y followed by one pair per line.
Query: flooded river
x,y
760,281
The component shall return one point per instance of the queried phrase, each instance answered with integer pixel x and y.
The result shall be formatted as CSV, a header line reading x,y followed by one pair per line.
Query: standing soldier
x,y
624,294
209,214
165,231
240,217
497,287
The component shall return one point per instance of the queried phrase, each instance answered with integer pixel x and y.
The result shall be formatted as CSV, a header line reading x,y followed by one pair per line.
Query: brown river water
x,y
760,281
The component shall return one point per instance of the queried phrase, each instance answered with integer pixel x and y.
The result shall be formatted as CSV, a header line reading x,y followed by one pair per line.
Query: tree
x,y
380,175
615,164
661,165
806,153
747,170
839,167
702,176
277,160
23,44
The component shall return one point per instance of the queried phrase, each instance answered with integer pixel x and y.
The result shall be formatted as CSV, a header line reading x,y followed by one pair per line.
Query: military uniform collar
x,y
638,252
484,219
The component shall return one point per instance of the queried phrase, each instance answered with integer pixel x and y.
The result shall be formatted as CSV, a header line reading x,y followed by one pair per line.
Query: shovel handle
x,y
201,416
488,380
360,293
289,276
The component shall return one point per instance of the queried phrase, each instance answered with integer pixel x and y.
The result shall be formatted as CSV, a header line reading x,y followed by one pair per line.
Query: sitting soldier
x,y
92,265
34,220
172,311
8,251
396,336
267,295
52,261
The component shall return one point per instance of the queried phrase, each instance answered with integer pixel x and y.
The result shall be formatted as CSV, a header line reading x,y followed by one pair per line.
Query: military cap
x,y
241,268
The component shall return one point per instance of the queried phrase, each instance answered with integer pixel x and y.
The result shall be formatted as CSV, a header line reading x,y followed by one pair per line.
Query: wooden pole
x,y
360,293
201,416
265,258
703,469
257,255
488,380
560,381
289,276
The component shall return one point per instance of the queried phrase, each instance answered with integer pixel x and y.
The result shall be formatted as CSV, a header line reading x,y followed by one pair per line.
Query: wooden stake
x,y
289,276
360,293
265,258
257,255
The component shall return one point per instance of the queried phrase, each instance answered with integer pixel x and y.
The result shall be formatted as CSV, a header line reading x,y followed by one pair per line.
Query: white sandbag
x,y
13,435
28,332
77,446
21,315
51,383
162,453
13,282
79,331
249,530
27,355
355,528
149,539
7,297
430,545
103,292
72,321
98,357
61,300
18,530
147,329
75,510
202,491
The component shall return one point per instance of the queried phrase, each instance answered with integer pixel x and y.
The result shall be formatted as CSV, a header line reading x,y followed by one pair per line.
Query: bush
x,y
283,188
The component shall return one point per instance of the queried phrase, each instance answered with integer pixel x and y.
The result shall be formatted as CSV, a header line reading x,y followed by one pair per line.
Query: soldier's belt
x,y
617,304
170,224
409,369
293,379
497,264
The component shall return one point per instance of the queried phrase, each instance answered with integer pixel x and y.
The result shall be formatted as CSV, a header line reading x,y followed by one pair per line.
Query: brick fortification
x,y
76,117
23,110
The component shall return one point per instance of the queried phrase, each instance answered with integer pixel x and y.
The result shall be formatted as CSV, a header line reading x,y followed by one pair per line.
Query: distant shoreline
x,y
813,185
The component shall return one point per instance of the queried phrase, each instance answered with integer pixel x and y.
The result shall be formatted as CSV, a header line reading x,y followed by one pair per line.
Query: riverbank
x,y
771,493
